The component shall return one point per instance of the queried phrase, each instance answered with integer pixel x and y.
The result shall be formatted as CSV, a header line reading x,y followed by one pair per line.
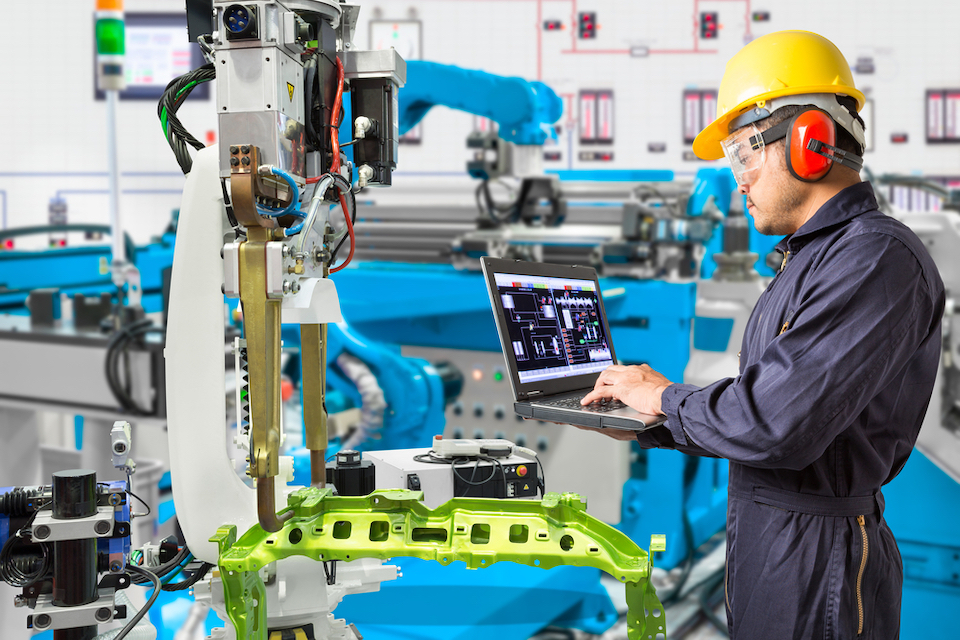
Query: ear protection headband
x,y
810,151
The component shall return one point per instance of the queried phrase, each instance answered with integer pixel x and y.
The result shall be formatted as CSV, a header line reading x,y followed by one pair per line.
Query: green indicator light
x,y
110,40
582,341
498,376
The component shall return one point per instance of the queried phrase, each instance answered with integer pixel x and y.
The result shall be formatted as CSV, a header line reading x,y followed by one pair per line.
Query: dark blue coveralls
x,y
836,370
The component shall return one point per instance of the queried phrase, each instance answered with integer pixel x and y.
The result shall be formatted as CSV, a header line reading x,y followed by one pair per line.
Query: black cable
x,y
147,576
23,571
352,199
165,568
118,345
431,458
543,476
196,576
143,502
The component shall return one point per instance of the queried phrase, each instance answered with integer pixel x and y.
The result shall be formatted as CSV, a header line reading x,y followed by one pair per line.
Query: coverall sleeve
x,y
863,312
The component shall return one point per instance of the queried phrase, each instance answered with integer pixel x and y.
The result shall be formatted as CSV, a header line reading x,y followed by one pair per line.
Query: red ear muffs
x,y
811,125
811,138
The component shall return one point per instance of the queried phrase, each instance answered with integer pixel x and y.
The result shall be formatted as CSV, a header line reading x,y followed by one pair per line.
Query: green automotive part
x,y
477,531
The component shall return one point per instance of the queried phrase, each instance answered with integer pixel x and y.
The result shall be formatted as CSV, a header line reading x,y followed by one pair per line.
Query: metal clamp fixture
x,y
46,528
49,616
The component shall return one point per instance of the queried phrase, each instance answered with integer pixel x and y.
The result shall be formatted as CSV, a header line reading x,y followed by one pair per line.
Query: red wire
x,y
335,163
334,132
346,216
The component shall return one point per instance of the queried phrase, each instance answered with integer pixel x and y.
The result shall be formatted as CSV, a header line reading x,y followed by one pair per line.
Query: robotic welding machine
x,y
283,71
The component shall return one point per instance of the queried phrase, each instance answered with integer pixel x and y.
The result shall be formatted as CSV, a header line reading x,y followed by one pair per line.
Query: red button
x,y
522,470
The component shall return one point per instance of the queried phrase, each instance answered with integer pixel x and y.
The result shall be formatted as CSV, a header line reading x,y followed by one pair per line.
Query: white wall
x,y
52,125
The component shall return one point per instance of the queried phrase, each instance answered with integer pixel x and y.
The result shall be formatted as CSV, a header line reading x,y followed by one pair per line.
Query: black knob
x,y
452,380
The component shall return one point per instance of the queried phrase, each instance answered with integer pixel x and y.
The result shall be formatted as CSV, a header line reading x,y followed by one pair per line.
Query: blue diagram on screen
x,y
555,326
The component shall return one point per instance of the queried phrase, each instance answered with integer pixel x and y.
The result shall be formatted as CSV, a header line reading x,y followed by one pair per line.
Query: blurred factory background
x,y
557,131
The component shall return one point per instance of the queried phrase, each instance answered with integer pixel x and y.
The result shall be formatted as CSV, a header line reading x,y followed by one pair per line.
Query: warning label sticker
x,y
290,89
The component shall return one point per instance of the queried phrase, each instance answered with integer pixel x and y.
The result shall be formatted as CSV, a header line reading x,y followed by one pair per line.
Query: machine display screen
x,y
555,326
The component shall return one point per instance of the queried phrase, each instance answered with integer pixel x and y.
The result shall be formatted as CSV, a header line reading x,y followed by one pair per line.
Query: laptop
x,y
556,341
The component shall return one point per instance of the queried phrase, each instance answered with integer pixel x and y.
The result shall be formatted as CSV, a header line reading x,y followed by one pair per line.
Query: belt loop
x,y
878,496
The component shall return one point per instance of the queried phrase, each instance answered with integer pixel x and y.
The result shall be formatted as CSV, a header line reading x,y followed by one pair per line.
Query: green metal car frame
x,y
478,531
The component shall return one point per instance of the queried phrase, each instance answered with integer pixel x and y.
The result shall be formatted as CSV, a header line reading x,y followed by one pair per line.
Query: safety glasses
x,y
746,156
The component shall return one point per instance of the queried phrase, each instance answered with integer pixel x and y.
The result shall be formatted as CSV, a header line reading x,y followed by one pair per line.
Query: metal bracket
x,y
46,528
46,615
394,523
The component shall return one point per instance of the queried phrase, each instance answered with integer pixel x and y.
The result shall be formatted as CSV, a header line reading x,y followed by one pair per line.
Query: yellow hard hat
x,y
785,63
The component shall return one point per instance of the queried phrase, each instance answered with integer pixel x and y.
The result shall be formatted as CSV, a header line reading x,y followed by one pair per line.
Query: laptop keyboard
x,y
601,406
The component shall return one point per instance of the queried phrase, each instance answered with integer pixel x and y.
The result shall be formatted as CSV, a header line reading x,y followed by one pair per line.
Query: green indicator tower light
x,y
111,45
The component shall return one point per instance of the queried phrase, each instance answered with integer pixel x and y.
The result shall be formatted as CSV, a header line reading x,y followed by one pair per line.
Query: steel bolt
x,y
42,621
286,286
296,286
102,527
103,614
245,149
41,532
245,161
234,150
116,567
19,601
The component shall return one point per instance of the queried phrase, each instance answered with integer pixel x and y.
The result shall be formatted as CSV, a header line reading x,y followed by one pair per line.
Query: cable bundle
x,y
173,97
119,345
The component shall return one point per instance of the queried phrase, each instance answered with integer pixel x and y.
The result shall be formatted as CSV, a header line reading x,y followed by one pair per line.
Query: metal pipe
x,y
313,339
318,468
267,506
116,224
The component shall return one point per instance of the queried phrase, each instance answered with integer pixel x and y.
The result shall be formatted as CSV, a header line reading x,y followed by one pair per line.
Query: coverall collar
x,y
846,205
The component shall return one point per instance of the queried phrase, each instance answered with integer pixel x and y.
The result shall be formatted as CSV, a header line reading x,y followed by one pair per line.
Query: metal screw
x,y
285,250
234,150
103,614
245,149
19,601
42,621
296,286
102,527
115,567
286,286
41,532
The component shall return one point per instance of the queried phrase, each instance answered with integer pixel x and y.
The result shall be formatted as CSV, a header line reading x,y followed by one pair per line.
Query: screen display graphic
x,y
555,326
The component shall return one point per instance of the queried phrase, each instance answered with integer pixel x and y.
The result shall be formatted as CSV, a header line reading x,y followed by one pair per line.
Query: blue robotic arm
x,y
524,110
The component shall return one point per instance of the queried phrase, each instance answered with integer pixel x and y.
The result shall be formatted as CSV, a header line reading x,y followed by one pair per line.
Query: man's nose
x,y
743,189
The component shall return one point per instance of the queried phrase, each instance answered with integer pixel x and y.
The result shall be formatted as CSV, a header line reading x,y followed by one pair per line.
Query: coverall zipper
x,y
863,565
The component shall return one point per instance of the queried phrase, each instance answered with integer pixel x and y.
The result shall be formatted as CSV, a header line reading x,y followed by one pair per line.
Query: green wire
x,y
163,114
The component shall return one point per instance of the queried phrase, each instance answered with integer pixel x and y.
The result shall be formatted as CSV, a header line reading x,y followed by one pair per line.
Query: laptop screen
x,y
555,326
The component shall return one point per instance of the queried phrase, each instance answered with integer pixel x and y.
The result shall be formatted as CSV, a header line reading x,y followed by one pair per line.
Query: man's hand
x,y
639,387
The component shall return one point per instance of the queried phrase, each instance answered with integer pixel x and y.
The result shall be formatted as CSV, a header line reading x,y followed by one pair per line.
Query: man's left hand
x,y
639,387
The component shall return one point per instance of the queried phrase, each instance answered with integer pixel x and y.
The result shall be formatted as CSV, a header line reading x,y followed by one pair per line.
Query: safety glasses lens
x,y
745,161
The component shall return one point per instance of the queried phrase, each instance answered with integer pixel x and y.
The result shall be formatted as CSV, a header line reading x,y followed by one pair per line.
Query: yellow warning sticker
x,y
290,89
526,487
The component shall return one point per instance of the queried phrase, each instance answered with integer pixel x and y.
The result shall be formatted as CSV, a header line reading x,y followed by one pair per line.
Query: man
x,y
837,363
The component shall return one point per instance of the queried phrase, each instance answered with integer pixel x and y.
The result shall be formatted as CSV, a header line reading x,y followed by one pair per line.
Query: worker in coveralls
x,y
837,364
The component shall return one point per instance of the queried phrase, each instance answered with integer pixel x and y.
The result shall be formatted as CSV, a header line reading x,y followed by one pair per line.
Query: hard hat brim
x,y
706,145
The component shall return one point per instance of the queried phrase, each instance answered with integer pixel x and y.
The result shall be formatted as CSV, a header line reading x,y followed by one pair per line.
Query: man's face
x,y
774,197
